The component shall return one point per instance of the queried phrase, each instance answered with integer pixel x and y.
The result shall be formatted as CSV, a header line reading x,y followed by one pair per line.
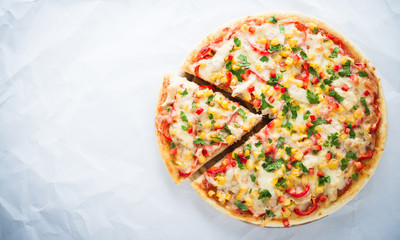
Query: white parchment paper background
x,y
78,88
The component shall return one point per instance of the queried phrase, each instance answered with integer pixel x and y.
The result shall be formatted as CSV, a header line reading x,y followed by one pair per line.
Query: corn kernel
x,y
295,172
284,53
279,173
274,181
207,124
345,59
223,80
332,164
342,118
319,189
252,120
304,179
257,168
322,166
329,43
310,56
281,116
318,128
299,83
327,54
289,61
286,213
258,67
274,42
298,156
262,40
247,97
312,26
340,109
248,201
343,136
288,35
202,159
277,123
220,180
230,139
314,64
234,153
294,150
270,92
202,135
188,156
239,196
234,81
274,110
211,193
235,67
367,129
249,164
277,58
254,193
316,110
350,119
286,202
228,196
244,28
173,131
246,126
358,113
246,153
292,42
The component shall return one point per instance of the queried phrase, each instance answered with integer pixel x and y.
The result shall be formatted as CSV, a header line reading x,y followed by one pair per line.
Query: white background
x,y
78,88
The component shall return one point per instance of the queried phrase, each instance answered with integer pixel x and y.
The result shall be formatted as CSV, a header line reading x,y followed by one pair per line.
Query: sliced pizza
x,y
330,120
194,124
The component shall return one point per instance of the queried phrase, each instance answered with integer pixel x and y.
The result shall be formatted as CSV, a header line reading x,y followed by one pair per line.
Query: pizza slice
x,y
279,177
194,124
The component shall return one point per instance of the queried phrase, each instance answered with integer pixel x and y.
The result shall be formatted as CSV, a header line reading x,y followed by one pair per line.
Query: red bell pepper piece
x,y
173,151
289,166
199,111
374,127
317,135
257,103
292,191
329,120
328,156
320,174
190,130
315,80
366,155
281,199
309,124
312,117
366,93
252,29
301,28
358,165
185,175
272,73
316,148
305,66
336,68
322,198
255,48
283,89
271,99
164,133
285,223
255,73
251,89
345,87
196,71
207,86
311,170
311,210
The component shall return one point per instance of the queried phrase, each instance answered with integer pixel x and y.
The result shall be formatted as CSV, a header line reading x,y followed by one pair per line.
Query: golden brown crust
x,y
163,144
370,164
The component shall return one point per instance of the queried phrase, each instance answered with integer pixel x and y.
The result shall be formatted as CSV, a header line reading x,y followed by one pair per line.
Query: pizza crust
x,y
370,164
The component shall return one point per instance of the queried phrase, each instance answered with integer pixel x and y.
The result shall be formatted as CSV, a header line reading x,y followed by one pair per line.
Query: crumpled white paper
x,y
78,88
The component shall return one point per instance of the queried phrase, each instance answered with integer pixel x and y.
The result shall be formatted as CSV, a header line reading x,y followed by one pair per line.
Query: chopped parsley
x,y
219,137
199,141
270,213
253,178
285,97
185,92
364,103
351,133
194,105
313,72
287,125
346,69
301,166
281,140
344,162
168,108
264,103
315,30
351,155
333,140
312,98
281,183
330,71
241,205
311,130
334,53
244,62
242,113
237,42
184,127
272,166
273,19
281,28
354,176
264,59
336,96
362,74
239,163
303,55
172,145
272,49
226,129
288,151
183,117
324,179
258,144
210,99
296,49
264,194
247,147
237,73
306,115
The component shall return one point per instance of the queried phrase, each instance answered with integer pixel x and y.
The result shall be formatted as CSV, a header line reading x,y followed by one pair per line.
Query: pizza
x,y
328,120
194,124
